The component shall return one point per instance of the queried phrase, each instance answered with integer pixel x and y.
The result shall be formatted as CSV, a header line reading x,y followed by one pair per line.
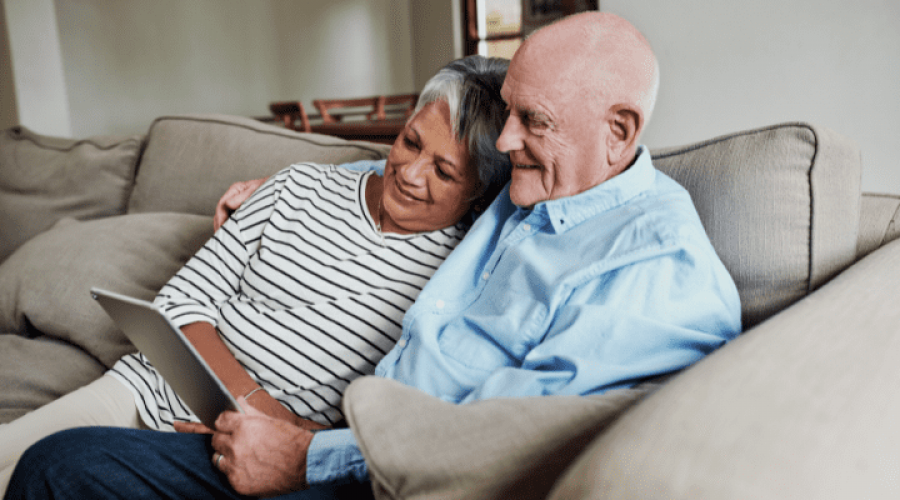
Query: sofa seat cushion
x,y
191,160
802,406
780,205
36,371
43,179
419,447
45,285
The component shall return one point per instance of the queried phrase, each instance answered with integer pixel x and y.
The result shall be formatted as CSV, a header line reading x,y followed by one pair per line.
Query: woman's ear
x,y
625,123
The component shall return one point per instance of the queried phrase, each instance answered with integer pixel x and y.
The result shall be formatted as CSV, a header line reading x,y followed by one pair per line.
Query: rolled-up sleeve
x,y
334,458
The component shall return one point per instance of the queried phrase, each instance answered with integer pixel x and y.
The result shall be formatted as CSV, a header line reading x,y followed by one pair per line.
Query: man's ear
x,y
625,123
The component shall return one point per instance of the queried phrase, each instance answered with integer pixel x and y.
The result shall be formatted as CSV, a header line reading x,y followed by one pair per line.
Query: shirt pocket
x,y
498,329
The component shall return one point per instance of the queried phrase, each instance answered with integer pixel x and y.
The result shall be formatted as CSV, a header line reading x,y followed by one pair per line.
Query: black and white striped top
x,y
303,289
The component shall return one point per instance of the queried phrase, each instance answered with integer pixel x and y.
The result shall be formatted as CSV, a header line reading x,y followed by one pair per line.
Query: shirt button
x,y
439,304
527,227
401,343
485,276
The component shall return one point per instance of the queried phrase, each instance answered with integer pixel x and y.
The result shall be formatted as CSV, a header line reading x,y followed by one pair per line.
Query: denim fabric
x,y
103,462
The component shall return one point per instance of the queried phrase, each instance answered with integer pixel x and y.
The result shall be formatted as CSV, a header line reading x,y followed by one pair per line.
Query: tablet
x,y
171,353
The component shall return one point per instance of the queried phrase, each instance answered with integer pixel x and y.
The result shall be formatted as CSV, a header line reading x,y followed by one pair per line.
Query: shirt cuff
x,y
333,457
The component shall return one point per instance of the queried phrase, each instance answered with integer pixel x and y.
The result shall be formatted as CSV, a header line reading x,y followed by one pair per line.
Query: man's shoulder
x,y
660,217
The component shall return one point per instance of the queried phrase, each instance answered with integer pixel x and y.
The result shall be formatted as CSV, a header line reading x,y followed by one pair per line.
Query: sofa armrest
x,y
879,221
805,405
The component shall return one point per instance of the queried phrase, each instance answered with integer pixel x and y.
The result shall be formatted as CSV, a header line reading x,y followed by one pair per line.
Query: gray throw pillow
x,y
419,447
44,179
45,284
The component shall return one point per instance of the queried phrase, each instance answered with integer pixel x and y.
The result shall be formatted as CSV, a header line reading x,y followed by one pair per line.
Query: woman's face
x,y
428,182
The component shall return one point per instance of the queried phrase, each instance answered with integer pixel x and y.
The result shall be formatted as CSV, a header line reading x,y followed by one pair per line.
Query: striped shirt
x,y
304,290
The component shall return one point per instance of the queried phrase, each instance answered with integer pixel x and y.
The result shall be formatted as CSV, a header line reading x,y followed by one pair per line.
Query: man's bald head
x,y
597,54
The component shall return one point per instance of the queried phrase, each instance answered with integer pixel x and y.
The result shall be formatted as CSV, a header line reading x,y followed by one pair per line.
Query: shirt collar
x,y
568,212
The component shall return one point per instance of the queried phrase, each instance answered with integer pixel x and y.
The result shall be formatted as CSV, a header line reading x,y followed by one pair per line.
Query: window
x,y
495,28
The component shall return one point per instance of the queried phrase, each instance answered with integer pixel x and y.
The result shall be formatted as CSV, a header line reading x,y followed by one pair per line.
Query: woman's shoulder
x,y
344,170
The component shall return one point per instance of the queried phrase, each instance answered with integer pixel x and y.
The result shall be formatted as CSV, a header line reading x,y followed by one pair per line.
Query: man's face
x,y
554,134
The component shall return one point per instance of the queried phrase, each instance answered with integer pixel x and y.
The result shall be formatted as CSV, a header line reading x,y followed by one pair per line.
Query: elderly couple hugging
x,y
588,271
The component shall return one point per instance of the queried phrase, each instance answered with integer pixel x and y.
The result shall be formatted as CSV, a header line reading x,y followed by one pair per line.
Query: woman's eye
x,y
442,174
410,143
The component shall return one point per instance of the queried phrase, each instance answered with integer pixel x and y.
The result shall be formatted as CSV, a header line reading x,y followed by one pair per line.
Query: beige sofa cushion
x,y
803,406
43,179
419,447
191,160
45,284
36,371
780,204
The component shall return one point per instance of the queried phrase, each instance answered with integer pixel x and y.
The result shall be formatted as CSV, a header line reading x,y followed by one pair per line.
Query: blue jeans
x,y
105,462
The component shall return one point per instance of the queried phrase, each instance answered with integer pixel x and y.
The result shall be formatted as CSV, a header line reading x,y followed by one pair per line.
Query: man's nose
x,y
512,136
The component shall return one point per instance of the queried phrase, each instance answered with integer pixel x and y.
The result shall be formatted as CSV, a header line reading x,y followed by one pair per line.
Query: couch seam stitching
x,y
77,143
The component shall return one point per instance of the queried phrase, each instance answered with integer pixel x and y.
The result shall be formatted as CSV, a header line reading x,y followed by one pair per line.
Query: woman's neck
x,y
374,196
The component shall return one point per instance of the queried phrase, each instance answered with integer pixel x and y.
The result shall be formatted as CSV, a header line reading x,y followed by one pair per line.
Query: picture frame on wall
x,y
537,13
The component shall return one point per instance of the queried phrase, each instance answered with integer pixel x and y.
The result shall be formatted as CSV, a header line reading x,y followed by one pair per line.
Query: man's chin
x,y
523,199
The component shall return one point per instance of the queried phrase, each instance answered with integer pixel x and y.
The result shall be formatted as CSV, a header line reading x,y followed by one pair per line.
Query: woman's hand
x,y
236,194
262,401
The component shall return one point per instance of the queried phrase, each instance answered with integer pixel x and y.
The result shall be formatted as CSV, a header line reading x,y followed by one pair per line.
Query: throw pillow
x,y
45,284
43,179
419,447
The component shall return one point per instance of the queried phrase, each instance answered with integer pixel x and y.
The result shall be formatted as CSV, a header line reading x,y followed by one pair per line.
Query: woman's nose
x,y
413,173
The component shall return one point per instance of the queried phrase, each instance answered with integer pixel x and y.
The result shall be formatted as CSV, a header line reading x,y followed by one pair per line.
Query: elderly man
x,y
591,272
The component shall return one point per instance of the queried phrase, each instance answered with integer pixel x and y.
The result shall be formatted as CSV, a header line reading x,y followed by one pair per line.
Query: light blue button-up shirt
x,y
579,295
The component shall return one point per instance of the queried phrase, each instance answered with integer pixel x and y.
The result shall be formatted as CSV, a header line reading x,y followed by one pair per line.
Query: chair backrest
x,y
289,112
395,106
369,105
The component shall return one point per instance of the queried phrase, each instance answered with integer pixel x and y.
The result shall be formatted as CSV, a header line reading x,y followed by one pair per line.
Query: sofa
x,y
804,404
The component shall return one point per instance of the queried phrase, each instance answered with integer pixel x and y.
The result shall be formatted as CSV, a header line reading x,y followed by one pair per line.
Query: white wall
x,y
40,91
121,63
731,65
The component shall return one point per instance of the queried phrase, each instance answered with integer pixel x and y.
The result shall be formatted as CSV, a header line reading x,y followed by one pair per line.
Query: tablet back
x,y
170,352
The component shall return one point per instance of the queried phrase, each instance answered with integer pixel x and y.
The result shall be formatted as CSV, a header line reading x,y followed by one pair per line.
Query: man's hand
x,y
262,456
233,198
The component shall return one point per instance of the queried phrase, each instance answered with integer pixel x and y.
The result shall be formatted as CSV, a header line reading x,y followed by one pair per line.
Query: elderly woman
x,y
304,288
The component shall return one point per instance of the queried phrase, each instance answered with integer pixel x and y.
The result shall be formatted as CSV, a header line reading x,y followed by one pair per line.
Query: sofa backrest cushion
x,y
43,179
191,160
780,204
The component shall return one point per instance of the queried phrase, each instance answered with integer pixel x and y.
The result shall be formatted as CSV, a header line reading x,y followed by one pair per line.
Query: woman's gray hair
x,y
471,88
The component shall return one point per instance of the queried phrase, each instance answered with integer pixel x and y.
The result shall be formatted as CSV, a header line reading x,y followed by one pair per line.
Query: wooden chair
x,y
395,106
289,112
382,107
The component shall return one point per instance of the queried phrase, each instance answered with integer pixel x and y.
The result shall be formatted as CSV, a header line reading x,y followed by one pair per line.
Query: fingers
x,y
191,428
248,408
233,198
228,203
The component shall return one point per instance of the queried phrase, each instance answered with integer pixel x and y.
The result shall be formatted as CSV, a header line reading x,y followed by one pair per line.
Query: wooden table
x,y
382,131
